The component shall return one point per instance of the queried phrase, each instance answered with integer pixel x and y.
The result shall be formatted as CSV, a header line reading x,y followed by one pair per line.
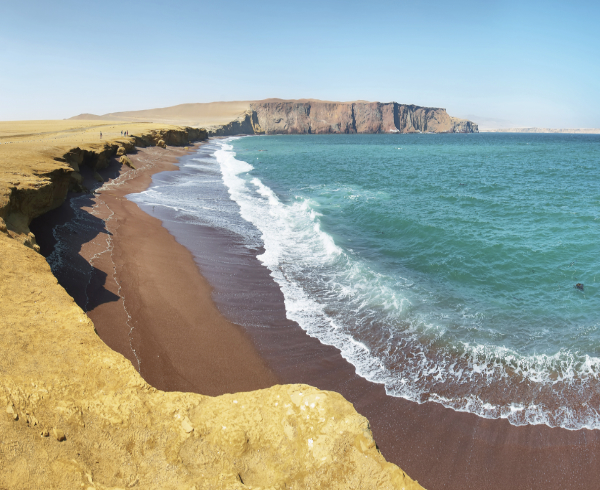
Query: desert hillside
x,y
195,115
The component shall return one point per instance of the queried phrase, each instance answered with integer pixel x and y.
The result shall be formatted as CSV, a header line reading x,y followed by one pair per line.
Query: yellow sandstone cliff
x,y
75,414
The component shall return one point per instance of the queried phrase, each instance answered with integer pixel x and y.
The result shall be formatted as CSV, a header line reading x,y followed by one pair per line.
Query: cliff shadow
x,y
61,235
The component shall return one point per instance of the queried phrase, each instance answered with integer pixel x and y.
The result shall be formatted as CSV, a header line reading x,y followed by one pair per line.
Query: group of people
x,y
123,133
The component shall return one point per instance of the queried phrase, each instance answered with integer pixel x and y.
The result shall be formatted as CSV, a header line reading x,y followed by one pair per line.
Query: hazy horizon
x,y
527,64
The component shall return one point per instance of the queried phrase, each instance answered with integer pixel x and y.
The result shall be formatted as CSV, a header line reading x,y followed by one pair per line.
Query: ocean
x,y
443,266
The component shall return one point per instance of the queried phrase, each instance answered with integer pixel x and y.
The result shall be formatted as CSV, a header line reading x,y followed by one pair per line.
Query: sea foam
x,y
335,296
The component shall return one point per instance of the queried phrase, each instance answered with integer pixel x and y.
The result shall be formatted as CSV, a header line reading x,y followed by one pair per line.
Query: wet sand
x,y
171,328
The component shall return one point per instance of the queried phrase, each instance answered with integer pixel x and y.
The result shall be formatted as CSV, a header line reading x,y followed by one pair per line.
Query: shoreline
x,y
438,446
167,311
78,414
469,451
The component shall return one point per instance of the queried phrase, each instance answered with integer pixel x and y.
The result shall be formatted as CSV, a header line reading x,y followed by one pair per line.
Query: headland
x,y
301,116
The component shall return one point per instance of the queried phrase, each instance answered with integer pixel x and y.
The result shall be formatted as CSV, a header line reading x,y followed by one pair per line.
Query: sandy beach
x,y
169,327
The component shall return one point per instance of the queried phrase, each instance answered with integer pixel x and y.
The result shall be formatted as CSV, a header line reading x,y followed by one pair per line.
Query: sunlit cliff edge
x,y
75,414
302,116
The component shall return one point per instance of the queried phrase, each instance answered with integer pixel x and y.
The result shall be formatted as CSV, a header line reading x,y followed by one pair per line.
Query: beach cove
x,y
440,447
78,413
476,452
299,246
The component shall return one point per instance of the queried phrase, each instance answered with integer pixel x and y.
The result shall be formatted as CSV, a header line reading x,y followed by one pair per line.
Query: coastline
x,y
438,446
77,413
441,447
147,298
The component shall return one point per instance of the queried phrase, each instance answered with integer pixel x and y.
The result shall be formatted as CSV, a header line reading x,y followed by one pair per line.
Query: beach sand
x,y
168,325
171,328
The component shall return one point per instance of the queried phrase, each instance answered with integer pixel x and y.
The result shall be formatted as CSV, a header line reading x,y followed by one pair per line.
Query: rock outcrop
x,y
354,117
245,123
75,414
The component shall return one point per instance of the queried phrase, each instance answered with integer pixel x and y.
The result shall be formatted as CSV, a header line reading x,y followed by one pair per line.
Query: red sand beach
x,y
170,328
167,326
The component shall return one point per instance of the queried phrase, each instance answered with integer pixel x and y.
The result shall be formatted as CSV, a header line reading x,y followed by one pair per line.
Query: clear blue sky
x,y
523,63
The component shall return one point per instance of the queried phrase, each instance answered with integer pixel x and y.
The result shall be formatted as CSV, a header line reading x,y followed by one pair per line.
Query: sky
x,y
501,63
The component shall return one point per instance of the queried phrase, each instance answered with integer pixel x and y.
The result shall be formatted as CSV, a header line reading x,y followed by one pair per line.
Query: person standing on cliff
x,y
100,134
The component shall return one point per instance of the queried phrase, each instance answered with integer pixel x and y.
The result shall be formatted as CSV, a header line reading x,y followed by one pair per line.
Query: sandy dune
x,y
195,115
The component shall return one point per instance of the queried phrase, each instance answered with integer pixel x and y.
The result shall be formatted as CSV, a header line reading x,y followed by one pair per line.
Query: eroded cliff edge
x,y
319,117
78,415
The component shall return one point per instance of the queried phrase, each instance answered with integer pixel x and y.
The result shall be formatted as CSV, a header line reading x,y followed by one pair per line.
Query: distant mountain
x,y
543,130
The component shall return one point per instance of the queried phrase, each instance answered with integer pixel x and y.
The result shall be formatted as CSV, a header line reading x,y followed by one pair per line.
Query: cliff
x,y
37,168
280,117
277,116
77,415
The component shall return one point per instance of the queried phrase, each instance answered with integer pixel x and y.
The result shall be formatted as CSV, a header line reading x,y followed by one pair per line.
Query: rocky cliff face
x,y
318,117
32,190
246,123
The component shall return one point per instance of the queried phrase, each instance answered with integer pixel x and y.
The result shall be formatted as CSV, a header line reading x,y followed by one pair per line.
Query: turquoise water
x,y
443,266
